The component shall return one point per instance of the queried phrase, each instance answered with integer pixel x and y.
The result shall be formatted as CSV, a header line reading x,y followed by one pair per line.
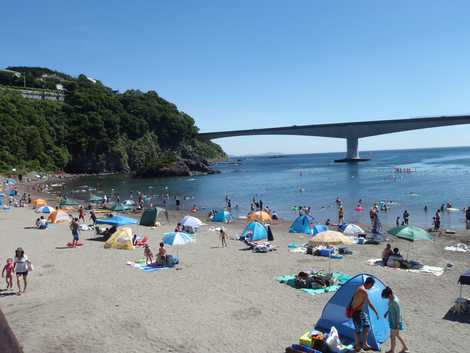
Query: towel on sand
x,y
338,276
436,271
140,264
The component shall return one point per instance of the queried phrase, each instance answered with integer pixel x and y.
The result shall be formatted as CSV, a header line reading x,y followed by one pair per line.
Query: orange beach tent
x,y
58,216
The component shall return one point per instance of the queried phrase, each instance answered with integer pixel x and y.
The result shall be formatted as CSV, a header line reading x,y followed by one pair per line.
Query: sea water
x,y
427,177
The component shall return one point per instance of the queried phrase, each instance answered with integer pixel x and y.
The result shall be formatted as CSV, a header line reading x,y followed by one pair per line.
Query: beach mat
x,y
436,271
141,265
339,276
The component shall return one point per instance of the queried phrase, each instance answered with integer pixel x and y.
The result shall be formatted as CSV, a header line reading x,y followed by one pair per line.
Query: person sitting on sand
x,y
395,259
179,228
394,320
161,258
194,209
386,253
42,223
148,254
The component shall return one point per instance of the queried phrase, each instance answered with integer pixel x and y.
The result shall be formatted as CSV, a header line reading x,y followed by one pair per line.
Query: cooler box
x,y
326,252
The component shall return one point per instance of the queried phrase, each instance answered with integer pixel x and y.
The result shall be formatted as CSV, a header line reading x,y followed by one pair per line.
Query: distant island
x,y
51,121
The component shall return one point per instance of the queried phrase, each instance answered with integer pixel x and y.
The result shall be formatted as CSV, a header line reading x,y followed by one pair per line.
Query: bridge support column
x,y
352,154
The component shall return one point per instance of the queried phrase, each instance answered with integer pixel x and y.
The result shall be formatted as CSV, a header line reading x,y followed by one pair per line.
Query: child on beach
x,y
148,254
394,320
223,238
7,272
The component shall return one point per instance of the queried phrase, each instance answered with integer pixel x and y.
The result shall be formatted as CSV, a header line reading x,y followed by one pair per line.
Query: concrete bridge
x,y
352,132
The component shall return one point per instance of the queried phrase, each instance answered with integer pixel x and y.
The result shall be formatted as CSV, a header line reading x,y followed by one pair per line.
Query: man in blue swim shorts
x,y
360,317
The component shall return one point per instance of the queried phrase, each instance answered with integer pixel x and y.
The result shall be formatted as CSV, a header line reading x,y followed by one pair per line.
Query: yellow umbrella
x,y
330,237
260,216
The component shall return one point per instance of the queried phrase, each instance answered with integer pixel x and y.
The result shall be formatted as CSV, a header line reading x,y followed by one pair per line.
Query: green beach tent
x,y
95,199
68,202
150,216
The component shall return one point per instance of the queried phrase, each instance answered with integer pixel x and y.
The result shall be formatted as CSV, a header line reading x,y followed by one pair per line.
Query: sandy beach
x,y
224,299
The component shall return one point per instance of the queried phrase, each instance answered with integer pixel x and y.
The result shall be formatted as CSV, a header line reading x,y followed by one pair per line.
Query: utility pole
x,y
24,79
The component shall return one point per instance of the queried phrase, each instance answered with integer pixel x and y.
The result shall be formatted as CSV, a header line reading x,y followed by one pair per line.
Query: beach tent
x,y
150,216
351,229
319,228
334,312
45,209
116,221
121,239
191,222
58,216
302,224
66,202
129,203
120,207
13,193
260,216
255,231
222,216
39,202
95,199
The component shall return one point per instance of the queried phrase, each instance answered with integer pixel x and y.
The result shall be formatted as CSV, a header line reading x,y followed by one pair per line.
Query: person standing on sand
x,y
223,238
81,214
360,317
93,217
341,215
394,320
21,268
74,227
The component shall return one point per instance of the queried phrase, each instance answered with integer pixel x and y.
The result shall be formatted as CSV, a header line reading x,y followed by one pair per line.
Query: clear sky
x,y
250,64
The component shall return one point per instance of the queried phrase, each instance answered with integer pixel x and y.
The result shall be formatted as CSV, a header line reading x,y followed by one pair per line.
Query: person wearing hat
x,y
394,320
22,265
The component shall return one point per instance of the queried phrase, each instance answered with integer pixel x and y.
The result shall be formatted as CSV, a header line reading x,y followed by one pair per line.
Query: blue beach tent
x,y
255,231
117,221
318,228
302,224
334,312
222,216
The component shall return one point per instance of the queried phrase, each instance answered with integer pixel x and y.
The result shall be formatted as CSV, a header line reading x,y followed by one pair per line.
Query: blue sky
x,y
252,64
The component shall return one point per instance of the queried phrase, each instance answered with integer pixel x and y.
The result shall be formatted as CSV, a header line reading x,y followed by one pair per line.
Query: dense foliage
x,y
95,130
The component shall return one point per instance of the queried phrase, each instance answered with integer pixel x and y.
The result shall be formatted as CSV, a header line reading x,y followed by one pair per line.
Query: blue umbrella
x,y
117,220
177,239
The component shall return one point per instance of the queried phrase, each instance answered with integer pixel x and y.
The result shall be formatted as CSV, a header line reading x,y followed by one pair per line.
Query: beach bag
x,y
333,342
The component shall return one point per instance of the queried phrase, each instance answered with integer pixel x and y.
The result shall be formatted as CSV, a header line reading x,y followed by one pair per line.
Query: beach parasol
x,y
177,239
330,237
410,233
260,216
45,209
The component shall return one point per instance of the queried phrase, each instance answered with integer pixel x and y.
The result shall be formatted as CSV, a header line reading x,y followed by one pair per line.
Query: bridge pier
x,y
352,154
